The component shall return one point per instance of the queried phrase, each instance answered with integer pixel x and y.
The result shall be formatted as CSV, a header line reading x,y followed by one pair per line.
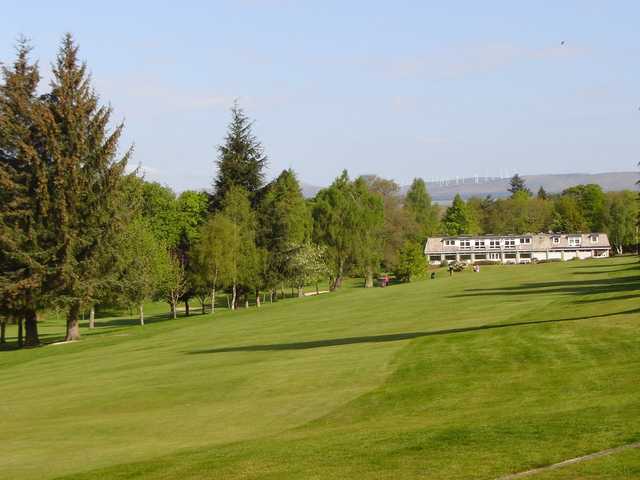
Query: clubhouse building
x,y
516,248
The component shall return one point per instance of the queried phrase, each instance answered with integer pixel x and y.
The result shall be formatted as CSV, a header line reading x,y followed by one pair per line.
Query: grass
x,y
473,376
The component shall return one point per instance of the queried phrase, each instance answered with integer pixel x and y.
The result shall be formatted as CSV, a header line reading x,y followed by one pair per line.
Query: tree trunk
x,y
3,331
233,297
300,292
92,317
186,307
204,305
246,300
213,300
271,296
258,298
368,280
73,326
141,313
174,309
20,335
31,328
317,289
228,302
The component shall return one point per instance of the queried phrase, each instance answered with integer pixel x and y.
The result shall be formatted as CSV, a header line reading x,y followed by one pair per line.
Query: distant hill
x,y
497,187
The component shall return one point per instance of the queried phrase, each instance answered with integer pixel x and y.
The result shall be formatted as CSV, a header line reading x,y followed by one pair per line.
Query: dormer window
x,y
575,241
593,238
555,240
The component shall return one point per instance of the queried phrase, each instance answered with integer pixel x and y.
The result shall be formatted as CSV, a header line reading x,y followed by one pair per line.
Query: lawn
x,y
466,377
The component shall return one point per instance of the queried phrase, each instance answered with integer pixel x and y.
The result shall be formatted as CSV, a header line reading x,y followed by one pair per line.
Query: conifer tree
x,y
241,160
517,184
85,181
25,247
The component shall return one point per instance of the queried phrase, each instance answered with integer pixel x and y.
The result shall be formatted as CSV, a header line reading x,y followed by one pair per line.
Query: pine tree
x,y
86,184
542,194
241,160
26,249
517,184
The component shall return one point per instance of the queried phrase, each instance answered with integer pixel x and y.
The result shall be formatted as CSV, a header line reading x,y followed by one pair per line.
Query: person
x,y
386,280
433,275
450,270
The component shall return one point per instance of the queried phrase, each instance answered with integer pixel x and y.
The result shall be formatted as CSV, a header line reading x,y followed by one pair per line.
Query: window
x,y
465,244
593,238
510,243
494,243
555,240
449,242
575,241
494,256
525,240
479,244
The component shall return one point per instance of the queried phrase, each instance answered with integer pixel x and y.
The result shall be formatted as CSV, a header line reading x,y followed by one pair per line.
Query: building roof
x,y
539,242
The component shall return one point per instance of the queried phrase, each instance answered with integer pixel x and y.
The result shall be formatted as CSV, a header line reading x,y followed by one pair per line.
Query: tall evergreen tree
x,y
517,184
542,194
26,249
86,176
241,160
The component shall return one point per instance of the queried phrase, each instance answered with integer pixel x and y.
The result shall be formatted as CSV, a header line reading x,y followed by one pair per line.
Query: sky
x,y
400,89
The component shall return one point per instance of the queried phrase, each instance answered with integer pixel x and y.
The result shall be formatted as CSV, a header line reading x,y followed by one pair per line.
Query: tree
x,y
412,262
143,264
517,184
26,249
244,255
369,243
241,160
418,204
307,266
213,255
622,220
567,216
283,220
86,181
542,194
591,201
457,219
398,222
348,221
172,281
162,213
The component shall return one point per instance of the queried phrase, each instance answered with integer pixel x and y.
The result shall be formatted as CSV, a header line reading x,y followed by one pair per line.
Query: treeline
x,y
77,231
583,208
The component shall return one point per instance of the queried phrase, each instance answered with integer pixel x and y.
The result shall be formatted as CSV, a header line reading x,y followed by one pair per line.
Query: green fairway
x,y
466,377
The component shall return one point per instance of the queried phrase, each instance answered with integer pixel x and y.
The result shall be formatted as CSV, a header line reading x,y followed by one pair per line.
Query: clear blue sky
x,y
399,89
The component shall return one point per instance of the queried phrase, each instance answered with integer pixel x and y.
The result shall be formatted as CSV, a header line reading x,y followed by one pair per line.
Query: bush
x,y
411,262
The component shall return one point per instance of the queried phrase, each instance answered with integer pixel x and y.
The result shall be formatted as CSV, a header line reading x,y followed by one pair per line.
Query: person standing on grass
x,y
450,270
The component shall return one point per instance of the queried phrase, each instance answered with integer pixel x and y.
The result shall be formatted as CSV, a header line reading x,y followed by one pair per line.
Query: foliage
x,y
412,262
86,180
419,208
241,159
458,219
518,185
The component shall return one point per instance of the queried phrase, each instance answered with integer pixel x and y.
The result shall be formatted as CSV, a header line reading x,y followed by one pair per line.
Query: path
x,y
584,458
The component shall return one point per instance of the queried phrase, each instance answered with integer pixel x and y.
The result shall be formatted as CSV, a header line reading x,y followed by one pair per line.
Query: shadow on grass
x,y
394,337
577,287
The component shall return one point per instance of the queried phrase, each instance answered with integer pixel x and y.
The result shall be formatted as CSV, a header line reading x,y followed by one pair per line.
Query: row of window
x,y
507,242
511,242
